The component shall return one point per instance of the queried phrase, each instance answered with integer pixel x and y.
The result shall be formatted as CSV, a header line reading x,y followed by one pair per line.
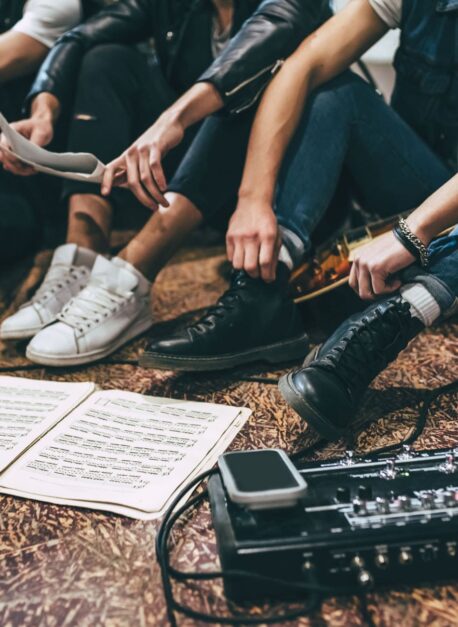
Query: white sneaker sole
x,y
25,334
137,328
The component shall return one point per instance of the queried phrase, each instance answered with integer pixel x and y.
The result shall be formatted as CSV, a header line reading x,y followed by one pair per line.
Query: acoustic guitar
x,y
329,268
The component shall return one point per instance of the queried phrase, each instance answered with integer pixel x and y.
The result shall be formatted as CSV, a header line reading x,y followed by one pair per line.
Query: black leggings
x,y
119,96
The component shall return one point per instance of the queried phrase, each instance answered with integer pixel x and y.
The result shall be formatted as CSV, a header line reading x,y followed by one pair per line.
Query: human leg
x,y
346,123
328,389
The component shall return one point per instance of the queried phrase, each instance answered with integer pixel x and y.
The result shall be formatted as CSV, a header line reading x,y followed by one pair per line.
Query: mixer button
x,y
449,466
390,471
449,498
359,507
382,505
405,557
365,492
406,453
343,495
405,503
427,501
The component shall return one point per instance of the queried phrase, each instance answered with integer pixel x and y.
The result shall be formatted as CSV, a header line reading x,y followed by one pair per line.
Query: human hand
x,y
375,266
38,130
253,239
140,167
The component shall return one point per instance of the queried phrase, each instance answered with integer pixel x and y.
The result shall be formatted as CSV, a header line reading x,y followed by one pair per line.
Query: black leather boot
x,y
252,321
327,390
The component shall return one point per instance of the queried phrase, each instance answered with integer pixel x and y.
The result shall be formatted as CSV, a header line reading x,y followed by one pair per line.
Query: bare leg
x,y
89,222
159,239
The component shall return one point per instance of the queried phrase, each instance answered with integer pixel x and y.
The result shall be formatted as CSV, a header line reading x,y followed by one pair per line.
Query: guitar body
x,y
321,284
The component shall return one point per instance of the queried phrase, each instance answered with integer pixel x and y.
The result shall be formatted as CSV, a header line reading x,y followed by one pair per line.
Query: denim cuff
x,y
436,287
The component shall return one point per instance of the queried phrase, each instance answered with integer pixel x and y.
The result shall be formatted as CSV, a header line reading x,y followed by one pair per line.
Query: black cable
x,y
169,572
421,419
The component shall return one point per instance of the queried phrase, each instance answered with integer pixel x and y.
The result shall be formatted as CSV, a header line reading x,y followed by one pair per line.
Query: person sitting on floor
x,y
223,52
317,118
327,390
27,31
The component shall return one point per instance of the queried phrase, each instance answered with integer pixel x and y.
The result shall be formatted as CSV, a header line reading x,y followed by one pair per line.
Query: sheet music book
x,y
70,444
69,165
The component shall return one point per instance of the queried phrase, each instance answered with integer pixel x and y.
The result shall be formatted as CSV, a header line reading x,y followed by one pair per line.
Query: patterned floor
x,y
61,566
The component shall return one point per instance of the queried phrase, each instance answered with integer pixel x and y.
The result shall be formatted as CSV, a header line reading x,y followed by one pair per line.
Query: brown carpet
x,y
62,566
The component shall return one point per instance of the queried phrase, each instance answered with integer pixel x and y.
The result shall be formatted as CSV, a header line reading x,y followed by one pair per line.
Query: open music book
x,y
68,165
121,452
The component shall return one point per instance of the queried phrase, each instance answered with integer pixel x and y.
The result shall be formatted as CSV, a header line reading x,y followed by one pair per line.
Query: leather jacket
x,y
264,34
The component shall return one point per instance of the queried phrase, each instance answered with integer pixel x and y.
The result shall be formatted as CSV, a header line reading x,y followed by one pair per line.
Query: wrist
x,y
45,107
421,228
258,194
200,101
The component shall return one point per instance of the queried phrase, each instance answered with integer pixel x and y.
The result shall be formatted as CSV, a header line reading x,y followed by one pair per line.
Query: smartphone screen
x,y
259,471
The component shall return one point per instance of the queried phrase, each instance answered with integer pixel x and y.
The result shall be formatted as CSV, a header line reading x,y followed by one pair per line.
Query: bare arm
x,y
19,55
140,166
322,56
253,239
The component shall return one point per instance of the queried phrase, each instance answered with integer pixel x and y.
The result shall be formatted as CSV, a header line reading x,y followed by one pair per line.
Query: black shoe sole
x,y
294,348
295,400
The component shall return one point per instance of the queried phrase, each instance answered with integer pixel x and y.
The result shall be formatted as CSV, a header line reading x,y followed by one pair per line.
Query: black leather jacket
x,y
264,33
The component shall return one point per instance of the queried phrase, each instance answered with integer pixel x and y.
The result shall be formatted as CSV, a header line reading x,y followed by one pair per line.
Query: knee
x,y
105,62
340,93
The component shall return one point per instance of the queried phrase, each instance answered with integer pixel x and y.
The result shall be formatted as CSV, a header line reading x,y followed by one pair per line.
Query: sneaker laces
x,y
91,305
358,365
56,278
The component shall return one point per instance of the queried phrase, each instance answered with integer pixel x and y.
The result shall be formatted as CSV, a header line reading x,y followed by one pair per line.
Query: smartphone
x,y
264,479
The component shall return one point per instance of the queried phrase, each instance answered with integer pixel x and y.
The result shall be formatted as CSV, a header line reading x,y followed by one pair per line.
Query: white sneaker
x,y
114,308
68,274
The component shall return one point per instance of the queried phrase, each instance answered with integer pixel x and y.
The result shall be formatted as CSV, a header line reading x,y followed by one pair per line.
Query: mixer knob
x,y
382,505
451,549
359,507
343,494
382,560
348,460
358,562
427,501
365,579
365,492
390,471
405,557
449,466
405,503
449,498
406,452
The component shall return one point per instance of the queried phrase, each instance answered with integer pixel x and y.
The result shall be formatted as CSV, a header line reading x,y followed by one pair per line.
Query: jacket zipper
x,y
271,68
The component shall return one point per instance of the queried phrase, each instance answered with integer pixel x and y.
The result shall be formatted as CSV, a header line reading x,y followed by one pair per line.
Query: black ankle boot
x,y
326,392
252,321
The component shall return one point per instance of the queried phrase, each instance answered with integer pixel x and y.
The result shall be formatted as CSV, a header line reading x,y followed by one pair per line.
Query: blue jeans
x,y
347,125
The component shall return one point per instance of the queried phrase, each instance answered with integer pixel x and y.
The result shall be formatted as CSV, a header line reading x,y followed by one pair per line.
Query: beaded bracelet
x,y
411,242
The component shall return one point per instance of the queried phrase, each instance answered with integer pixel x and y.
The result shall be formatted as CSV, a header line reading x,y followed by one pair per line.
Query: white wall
x,y
379,58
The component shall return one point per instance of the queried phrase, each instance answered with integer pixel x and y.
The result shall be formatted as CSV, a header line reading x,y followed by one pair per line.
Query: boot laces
x,y
363,352
227,302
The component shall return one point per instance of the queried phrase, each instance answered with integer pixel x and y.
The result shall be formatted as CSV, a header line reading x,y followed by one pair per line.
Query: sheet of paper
x,y
69,165
123,449
28,408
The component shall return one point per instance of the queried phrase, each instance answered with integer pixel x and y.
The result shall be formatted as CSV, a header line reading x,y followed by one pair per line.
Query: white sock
x,y
285,257
422,304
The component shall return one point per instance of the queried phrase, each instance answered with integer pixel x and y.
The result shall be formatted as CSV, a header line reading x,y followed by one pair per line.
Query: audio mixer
x,y
363,522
